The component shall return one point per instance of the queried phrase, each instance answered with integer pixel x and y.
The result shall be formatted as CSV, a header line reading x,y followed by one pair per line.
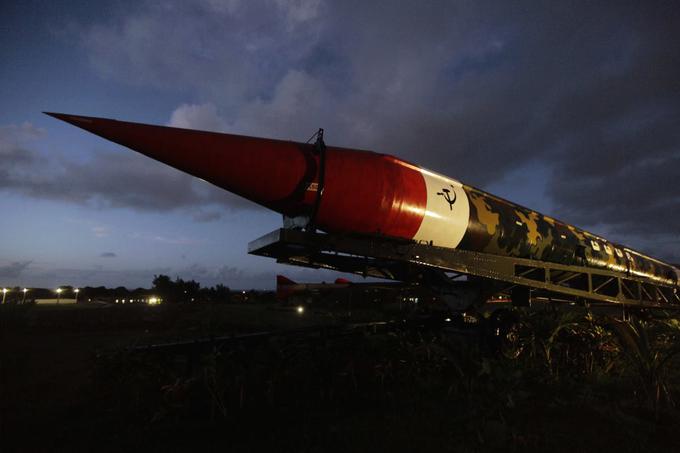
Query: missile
x,y
351,191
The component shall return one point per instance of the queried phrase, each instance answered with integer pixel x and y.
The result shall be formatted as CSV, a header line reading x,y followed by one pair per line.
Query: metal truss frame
x,y
406,260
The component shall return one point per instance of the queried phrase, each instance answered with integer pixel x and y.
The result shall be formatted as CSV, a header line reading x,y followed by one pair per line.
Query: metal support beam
x,y
399,260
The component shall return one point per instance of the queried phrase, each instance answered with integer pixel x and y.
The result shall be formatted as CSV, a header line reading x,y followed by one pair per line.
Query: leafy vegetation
x,y
554,379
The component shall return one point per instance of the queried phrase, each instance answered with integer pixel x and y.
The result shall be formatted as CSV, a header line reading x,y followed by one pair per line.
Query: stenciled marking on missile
x,y
446,193
444,224
486,216
613,262
607,254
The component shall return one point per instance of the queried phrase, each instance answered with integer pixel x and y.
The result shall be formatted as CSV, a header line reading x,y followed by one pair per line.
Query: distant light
x,y
244,292
301,309
76,290
448,320
58,290
4,290
24,290
116,300
153,301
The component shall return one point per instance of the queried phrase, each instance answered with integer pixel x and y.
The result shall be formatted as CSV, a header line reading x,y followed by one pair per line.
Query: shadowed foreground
x,y
556,381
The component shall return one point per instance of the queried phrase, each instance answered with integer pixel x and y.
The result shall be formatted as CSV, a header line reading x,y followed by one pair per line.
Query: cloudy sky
x,y
571,108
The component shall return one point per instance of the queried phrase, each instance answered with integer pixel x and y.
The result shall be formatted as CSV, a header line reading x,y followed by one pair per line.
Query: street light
x,y
4,294
76,291
25,290
58,295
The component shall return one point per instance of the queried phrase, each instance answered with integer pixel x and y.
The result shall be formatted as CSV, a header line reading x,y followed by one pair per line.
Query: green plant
x,y
650,346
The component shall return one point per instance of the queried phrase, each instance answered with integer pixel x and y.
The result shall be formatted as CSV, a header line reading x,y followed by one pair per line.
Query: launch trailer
x,y
386,258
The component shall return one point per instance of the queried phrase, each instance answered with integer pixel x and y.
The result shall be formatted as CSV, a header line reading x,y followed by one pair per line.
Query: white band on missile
x,y
447,213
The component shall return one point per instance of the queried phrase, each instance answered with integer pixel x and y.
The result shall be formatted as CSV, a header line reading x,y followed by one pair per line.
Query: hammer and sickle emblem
x,y
446,193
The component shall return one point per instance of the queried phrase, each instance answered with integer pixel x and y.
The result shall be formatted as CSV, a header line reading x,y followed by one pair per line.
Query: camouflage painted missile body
x,y
499,227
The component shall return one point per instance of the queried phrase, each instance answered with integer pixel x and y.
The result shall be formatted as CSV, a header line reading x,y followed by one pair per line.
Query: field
x,y
560,381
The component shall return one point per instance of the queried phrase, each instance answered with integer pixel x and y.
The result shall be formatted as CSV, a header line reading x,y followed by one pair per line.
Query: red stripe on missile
x,y
371,193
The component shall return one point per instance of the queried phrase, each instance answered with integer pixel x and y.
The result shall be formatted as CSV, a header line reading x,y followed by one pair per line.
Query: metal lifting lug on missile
x,y
382,216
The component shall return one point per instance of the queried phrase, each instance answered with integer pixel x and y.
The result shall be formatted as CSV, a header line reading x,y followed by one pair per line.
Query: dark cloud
x,y
108,255
637,198
14,155
207,216
119,179
229,273
231,50
619,162
13,270
14,142
195,271
475,90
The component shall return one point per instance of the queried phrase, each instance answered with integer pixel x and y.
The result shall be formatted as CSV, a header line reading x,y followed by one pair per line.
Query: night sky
x,y
569,108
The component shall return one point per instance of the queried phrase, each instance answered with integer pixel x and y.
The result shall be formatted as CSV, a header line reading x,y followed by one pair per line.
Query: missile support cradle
x,y
393,259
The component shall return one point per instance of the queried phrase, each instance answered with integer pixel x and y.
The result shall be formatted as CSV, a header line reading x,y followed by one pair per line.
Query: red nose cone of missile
x,y
268,172
364,192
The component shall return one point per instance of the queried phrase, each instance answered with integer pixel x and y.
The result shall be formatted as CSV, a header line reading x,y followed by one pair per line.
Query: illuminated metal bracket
x,y
402,260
